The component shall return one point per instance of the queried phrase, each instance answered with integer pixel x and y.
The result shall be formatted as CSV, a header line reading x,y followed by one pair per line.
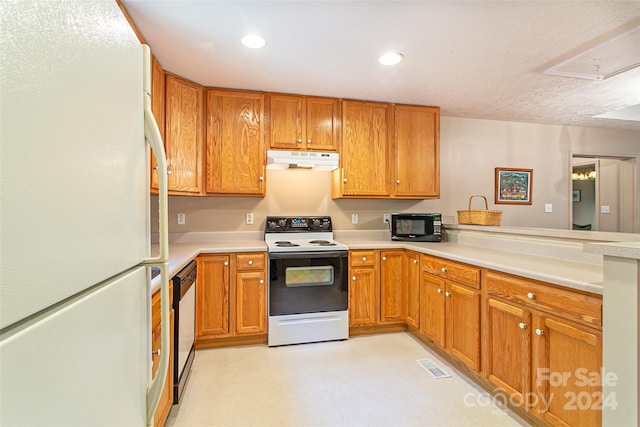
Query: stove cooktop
x,y
300,234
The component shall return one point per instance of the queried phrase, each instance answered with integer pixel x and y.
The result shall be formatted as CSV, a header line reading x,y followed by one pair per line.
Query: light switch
x,y
604,209
548,207
181,218
354,218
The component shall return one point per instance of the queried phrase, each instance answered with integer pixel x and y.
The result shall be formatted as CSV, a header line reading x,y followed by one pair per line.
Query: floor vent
x,y
433,369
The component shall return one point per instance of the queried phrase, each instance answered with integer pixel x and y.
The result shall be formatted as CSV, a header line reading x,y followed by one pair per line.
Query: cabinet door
x,y
183,135
432,308
251,303
417,151
365,149
286,122
507,358
392,286
212,296
157,107
322,124
363,297
413,290
463,324
166,399
569,363
235,143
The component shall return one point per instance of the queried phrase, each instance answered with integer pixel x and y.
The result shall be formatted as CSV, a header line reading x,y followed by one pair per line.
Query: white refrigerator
x,y
75,138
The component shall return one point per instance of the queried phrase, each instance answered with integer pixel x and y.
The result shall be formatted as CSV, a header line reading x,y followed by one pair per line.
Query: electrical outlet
x,y
385,218
605,209
181,218
548,207
249,219
354,218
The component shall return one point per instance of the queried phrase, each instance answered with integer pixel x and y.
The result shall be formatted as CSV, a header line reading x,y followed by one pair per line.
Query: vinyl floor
x,y
372,380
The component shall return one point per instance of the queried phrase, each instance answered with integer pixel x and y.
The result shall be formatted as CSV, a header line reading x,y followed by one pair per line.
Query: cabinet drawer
x,y
562,302
451,270
254,261
362,258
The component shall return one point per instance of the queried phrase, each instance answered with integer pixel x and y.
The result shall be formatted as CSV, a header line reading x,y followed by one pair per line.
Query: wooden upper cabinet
x,y
234,143
303,122
365,151
416,167
183,134
157,107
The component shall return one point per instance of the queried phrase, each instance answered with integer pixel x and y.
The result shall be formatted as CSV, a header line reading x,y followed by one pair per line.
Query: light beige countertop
x,y
585,276
180,254
577,275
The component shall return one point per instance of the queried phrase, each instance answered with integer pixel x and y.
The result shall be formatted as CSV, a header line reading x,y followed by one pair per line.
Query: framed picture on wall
x,y
513,186
576,195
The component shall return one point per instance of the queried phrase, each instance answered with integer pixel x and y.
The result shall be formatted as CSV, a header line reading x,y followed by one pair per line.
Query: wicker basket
x,y
477,217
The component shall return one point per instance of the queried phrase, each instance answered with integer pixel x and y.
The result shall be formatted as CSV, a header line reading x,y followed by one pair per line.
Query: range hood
x,y
277,159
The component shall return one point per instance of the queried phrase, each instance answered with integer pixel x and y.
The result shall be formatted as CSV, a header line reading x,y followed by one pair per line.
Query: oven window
x,y
308,285
309,276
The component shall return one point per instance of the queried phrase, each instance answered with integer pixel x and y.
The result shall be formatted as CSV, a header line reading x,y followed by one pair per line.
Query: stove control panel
x,y
293,224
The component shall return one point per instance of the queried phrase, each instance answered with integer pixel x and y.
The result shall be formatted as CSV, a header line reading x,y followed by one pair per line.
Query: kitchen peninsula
x,y
554,261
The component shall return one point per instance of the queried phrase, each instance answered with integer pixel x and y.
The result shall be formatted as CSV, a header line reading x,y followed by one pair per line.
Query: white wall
x,y
470,149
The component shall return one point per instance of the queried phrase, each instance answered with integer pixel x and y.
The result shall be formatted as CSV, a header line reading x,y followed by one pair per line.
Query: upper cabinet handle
x,y
397,181
299,140
261,178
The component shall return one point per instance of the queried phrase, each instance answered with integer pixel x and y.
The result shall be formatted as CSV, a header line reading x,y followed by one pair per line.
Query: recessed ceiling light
x,y
253,41
391,58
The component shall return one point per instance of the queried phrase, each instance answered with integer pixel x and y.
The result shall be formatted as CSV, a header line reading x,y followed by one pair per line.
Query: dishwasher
x,y
184,305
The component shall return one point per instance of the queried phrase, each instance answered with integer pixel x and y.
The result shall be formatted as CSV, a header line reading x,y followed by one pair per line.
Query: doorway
x,y
604,193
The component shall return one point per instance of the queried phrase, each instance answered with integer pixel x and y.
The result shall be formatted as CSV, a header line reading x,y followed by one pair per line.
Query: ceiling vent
x,y
612,57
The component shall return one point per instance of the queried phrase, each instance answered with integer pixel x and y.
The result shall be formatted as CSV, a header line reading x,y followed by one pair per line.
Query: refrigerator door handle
x,y
152,134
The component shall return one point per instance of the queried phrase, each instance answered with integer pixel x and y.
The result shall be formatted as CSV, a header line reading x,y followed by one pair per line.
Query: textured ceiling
x,y
477,59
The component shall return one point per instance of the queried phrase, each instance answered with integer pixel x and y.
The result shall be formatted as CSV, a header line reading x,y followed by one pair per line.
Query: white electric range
x,y
308,281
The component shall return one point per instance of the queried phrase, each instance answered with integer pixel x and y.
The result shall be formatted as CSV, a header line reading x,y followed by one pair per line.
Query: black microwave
x,y
418,227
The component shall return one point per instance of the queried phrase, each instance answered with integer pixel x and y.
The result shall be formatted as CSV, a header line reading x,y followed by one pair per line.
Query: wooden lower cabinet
x,y
363,297
507,352
231,295
412,315
541,361
251,298
213,293
450,317
393,278
166,398
567,373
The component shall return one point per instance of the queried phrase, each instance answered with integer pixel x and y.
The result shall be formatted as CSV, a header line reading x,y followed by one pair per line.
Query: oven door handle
x,y
299,255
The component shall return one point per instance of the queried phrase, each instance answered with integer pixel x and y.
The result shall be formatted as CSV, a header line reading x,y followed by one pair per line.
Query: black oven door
x,y
308,282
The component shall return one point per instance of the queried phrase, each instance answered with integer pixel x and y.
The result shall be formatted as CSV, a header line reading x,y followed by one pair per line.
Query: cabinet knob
x,y
344,179
250,262
397,181
531,295
308,141
443,269
299,140
168,172
539,332
156,352
261,178
353,278
439,290
364,259
226,263
384,258
415,261
447,294
522,325
261,281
